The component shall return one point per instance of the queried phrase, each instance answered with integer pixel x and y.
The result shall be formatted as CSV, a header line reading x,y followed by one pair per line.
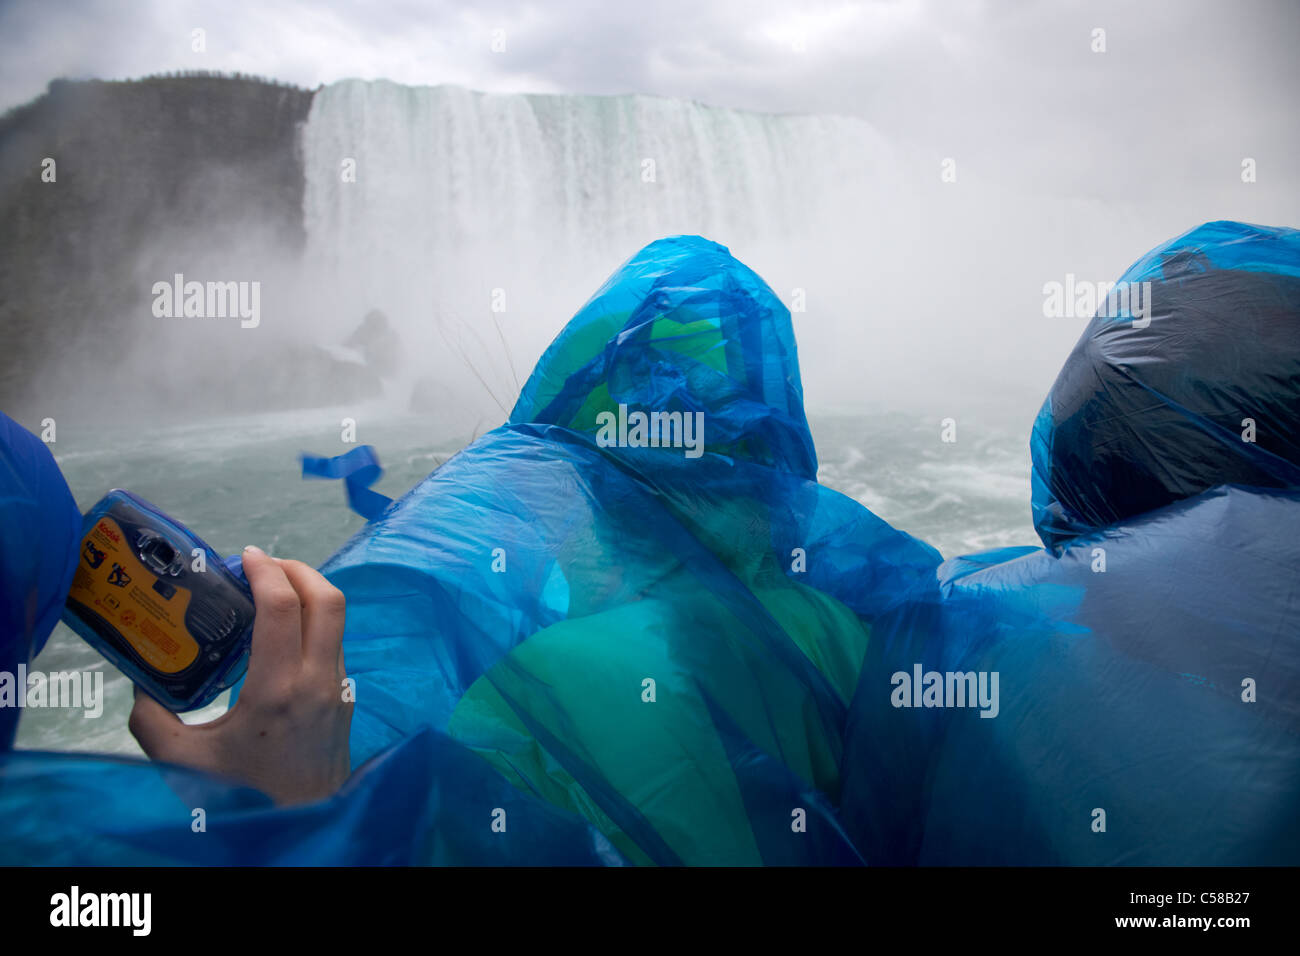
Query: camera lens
x,y
163,552
157,553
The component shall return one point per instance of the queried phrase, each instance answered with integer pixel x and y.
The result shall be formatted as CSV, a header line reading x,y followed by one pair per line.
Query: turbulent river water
x,y
237,482
437,204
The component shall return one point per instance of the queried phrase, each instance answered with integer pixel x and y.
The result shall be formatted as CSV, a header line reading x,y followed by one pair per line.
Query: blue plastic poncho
x,y
38,552
643,654
1149,660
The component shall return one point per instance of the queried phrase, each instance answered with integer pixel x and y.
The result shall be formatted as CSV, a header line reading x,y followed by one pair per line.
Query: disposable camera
x,y
159,603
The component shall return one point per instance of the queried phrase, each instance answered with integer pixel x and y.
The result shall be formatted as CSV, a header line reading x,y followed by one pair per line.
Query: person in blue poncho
x,y
573,652
40,529
265,775
288,734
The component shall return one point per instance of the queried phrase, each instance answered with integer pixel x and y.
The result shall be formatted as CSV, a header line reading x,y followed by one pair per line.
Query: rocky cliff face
x,y
108,187
435,204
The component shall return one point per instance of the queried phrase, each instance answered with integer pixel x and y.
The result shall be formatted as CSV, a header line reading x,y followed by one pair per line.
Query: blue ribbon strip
x,y
359,469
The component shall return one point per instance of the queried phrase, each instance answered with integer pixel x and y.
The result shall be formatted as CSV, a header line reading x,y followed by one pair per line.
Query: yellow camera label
x,y
113,583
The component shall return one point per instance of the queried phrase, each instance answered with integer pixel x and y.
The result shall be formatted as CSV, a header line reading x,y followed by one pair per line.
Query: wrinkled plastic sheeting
x,y
632,653
1149,662
638,655
40,532
1200,388
419,803
630,632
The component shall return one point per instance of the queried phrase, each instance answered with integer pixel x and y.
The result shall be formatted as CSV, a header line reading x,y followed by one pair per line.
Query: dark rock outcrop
x,y
149,175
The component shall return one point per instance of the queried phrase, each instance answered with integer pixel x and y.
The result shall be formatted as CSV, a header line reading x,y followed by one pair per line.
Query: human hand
x,y
287,734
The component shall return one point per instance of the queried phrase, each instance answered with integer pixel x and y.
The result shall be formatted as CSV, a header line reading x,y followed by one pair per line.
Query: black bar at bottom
x,y
333,905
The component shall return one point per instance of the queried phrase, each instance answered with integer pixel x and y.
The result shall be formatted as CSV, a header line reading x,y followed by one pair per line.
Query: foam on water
x,y
463,201
466,202
236,482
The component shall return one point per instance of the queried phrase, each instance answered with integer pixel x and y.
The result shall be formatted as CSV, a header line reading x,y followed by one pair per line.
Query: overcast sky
x,y
1101,128
1183,91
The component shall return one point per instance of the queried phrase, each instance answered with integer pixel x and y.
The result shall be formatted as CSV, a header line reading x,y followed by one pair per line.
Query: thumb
x,y
161,734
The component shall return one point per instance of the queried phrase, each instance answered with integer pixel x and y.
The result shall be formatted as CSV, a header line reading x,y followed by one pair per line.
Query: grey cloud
x,y
1011,90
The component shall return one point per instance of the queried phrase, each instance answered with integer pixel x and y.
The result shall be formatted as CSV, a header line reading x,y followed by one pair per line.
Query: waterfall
x,y
462,200
914,286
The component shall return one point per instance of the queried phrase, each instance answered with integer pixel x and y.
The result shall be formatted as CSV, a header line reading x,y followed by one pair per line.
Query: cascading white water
x,y
458,194
916,288
441,171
